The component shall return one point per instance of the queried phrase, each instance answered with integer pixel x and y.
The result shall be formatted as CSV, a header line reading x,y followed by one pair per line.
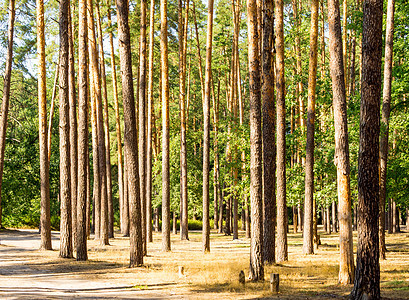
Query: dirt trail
x,y
23,277
27,273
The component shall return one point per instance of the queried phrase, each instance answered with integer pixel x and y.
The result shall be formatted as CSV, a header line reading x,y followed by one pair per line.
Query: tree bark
x,y
346,263
367,281
73,129
282,248
64,130
386,109
45,223
149,125
83,159
309,158
165,127
6,94
105,115
142,119
130,135
269,146
256,242
182,30
96,75
206,130
118,125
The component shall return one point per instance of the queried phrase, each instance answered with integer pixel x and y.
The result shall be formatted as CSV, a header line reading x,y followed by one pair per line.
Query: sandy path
x,y
21,275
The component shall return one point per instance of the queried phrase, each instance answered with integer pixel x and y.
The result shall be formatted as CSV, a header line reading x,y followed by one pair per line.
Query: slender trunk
x,y
6,94
282,251
151,121
367,281
329,219
334,217
394,217
295,219
386,109
45,223
125,204
198,51
142,119
174,223
344,40
73,130
256,242
165,127
96,194
53,96
182,28
206,130
110,208
346,263
130,135
64,126
309,164
118,124
83,159
269,147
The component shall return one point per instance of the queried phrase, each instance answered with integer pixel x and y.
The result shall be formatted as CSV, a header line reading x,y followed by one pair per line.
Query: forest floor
x,y
27,273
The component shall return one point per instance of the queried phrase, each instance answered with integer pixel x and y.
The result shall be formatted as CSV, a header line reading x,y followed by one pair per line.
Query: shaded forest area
x,y
257,118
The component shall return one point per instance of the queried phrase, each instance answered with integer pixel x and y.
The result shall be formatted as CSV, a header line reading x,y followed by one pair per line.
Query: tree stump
x,y
242,277
181,271
274,282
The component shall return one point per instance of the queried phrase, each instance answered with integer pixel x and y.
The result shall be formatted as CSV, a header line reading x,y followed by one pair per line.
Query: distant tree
x,y
142,118
309,156
206,129
386,109
165,126
6,95
149,125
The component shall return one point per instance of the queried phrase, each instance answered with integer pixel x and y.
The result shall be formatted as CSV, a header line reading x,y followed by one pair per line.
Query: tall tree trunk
x,y
73,129
367,281
165,127
110,204
236,7
83,158
96,194
282,251
6,94
45,219
149,125
328,219
256,242
182,30
206,130
125,204
118,124
142,119
52,105
346,262
64,130
130,135
96,75
386,109
309,158
334,216
269,127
